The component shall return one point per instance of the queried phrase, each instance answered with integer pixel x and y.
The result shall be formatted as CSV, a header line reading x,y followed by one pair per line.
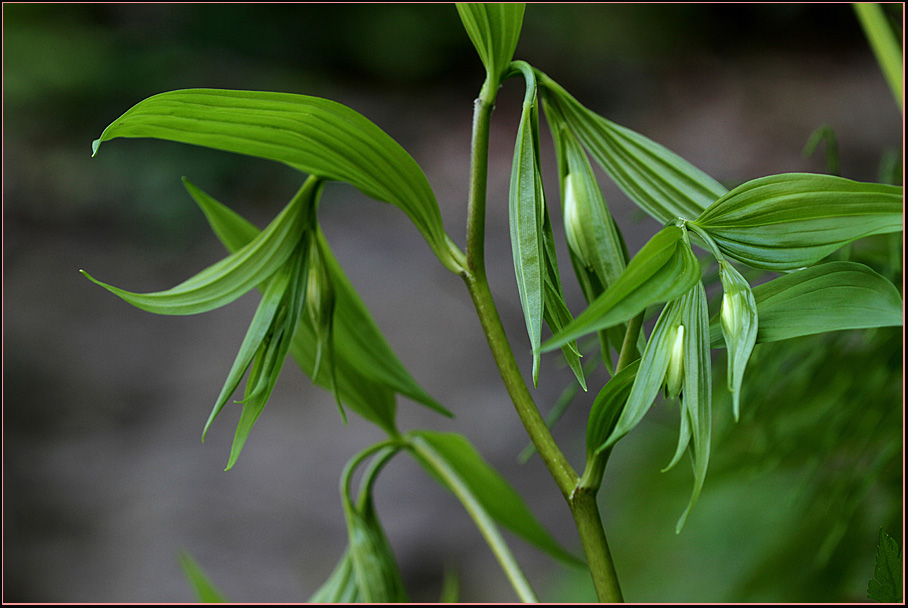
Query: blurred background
x,y
105,477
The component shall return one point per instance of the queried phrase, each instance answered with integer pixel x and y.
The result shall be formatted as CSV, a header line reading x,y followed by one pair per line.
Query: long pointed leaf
x,y
314,135
236,274
662,270
366,367
793,220
526,209
659,181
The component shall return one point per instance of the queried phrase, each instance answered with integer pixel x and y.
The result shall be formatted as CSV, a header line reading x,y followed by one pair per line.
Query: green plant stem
x,y
595,545
583,503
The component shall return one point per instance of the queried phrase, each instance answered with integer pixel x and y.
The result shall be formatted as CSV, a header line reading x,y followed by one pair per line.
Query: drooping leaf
x,y
205,591
494,493
793,220
236,274
377,574
739,321
650,374
659,181
494,29
526,211
827,297
367,370
607,408
886,584
262,323
696,398
662,270
273,350
317,136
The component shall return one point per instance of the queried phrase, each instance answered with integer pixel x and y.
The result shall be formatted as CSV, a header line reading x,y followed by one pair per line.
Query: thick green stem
x,y
582,501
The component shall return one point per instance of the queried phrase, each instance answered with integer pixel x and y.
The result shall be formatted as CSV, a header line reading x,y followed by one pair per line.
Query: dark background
x,y
105,479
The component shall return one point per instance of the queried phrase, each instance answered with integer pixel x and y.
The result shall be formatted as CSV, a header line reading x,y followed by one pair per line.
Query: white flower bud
x,y
674,375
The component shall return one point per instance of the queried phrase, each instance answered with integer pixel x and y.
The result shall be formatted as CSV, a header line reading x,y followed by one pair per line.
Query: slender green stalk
x,y
582,503
595,546
484,522
884,45
477,284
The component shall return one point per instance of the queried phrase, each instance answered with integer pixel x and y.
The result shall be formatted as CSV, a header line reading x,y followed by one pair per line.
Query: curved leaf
x,y
526,211
367,370
314,135
659,181
696,398
739,321
650,375
662,270
607,408
236,274
793,220
494,29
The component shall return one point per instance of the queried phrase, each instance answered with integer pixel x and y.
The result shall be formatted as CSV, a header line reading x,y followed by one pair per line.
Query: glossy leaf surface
x,y
607,407
526,212
314,135
793,220
659,181
494,29
367,370
662,270
236,274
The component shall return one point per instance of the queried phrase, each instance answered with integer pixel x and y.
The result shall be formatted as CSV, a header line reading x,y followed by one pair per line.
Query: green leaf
x,y
739,321
377,574
662,270
696,398
366,369
827,297
886,584
204,590
236,274
526,210
607,408
793,220
494,29
314,135
659,181
259,329
650,374
493,492
271,353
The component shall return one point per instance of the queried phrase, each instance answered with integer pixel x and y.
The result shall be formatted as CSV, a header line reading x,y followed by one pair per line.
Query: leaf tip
x,y
94,147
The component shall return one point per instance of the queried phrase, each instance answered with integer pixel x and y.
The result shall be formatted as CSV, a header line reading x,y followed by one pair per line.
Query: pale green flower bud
x,y
576,232
732,315
674,375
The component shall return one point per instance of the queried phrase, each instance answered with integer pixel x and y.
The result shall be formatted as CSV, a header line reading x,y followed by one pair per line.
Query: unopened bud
x,y
674,375
574,200
732,315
